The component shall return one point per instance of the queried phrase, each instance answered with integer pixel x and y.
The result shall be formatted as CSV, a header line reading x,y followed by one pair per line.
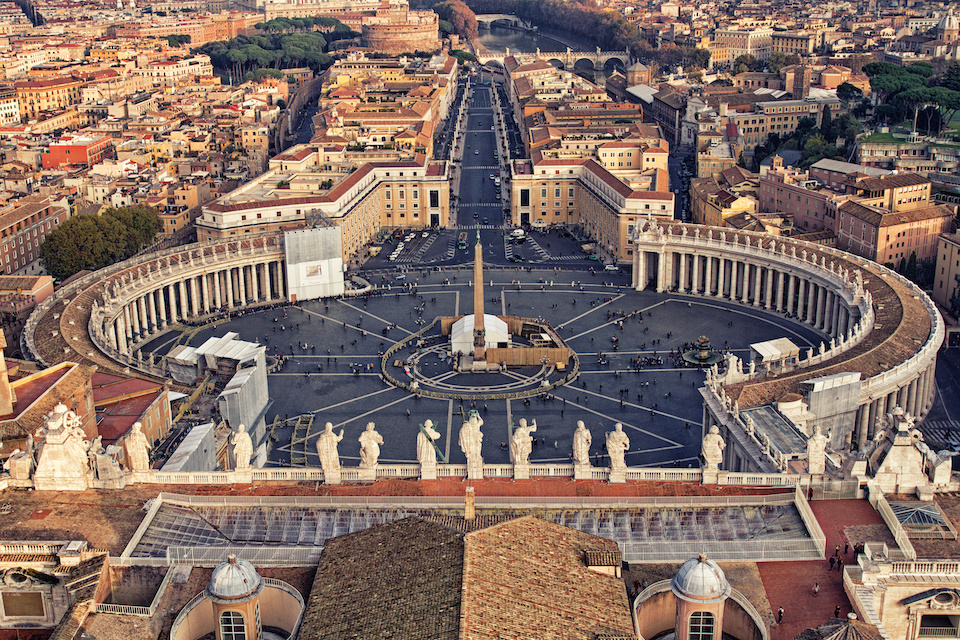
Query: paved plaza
x,y
332,365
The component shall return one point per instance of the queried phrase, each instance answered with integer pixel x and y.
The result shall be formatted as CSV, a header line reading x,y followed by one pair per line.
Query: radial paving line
x,y
591,310
376,317
674,444
350,326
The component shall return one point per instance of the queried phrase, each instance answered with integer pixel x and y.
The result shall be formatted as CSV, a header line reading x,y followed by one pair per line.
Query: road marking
x,y
674,445
350,326
386,322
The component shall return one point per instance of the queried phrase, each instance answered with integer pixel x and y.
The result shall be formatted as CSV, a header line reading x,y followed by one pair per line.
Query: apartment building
x,y
798,43
946,279
23,225
888,237
37,96
83,150
794,192
169,72
781,117
738,41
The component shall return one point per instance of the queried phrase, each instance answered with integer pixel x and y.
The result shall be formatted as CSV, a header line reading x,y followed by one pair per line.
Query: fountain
x,y
702,354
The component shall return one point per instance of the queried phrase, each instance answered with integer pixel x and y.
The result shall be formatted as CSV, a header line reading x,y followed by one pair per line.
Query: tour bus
x,y
462,241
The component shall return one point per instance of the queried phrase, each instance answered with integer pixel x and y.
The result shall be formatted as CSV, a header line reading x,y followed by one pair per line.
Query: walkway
x,y
790,584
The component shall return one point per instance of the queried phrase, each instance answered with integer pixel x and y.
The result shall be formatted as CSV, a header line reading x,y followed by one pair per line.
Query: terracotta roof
x,y
891,182
480,579
883,218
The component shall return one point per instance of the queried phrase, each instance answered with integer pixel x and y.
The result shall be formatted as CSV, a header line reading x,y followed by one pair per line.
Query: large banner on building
x,y
314,263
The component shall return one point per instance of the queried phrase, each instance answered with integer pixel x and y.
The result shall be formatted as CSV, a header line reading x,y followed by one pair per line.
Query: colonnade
x,y
189,292
914,397
752,281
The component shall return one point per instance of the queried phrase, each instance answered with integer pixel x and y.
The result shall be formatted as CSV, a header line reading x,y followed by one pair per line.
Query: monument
x,y
427,451
370,442
617,445
62,462
475,333
242,449
137,447
479,333
581,452
816,452
471,442
520,448
712,448
329,456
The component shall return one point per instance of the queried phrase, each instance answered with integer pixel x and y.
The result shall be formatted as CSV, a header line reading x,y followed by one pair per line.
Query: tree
x,y
93,242
848,93
910,271
462,17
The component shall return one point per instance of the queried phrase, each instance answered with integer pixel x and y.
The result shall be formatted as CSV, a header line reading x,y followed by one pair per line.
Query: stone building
x,y
396,29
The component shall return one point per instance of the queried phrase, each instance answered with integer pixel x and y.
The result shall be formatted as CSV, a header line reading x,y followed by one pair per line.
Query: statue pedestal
x,y
428,471
582,472
618,476
521,471
331,477
474,472
243,476
711,476
368,474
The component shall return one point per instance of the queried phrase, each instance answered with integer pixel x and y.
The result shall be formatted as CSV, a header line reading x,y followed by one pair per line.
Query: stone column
x,y
151,301
801,297
204,287
696,280
114,334
746,283
791,292
733,280
708,286
141,308
184,311
242,279
228,274
124,333
257,291
780,276
821,299
661,271
757,279
194,298
639,275
162,305
808,311
768,294
863,413
721,273
911,407
217,297
683,272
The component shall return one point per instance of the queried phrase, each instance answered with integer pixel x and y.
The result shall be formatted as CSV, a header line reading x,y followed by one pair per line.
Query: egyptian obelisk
x,y
479,334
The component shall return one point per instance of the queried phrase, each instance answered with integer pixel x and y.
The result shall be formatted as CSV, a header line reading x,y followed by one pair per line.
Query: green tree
x,y
910,271
462,17
848,93
93,242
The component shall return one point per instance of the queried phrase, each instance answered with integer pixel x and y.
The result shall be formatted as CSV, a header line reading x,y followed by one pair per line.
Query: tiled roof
x,y
894,181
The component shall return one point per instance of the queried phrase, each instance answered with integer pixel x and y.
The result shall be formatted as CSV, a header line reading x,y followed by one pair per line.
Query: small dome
x,y
234,580
948,22
700,580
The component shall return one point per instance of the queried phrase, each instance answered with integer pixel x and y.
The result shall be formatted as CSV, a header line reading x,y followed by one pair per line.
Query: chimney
x,y
723,109
469,512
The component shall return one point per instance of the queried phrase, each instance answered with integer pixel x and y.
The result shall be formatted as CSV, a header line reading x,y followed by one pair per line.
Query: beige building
x,y
946,280
310,184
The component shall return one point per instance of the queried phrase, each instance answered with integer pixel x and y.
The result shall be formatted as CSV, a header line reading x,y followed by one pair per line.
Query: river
x,y
499,39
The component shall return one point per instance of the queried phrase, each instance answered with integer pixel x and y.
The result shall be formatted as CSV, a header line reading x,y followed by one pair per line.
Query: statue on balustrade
x,y
138,458
521,444
327,449
712,446
426,450
242,449
617,445
581,445
471,442
816,452
370,442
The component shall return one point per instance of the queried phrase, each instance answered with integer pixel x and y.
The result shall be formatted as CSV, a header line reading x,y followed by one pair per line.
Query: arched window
x,y
232,626
701,626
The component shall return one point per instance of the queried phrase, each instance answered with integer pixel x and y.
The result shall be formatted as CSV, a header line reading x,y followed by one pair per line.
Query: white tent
x,y
461,336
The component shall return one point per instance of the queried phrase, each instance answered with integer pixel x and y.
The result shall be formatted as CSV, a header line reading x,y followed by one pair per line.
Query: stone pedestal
x,y
521,471
582,472
368,474
331,477
711,476
242,477
428,471
474,472
618,476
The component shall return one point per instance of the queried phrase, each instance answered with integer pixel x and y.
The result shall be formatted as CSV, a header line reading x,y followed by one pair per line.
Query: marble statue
x,y
581,445
816,452
20,463
242,449
426,450
471,441
520,444
617,445
137,447
327,450
62,464
370,442
712,447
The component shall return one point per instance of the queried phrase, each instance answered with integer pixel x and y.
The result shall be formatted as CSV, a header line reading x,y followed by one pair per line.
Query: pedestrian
x,y
839,565
836,552
816,589
779,615
833,561
846,547
836,612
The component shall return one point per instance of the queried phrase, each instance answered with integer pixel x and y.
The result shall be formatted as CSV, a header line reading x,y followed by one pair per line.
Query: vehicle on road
x,y
400,276
593,258
610,267
462,240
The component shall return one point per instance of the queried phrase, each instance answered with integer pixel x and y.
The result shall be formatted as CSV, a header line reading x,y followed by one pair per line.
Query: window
x,y
701,626
232,626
